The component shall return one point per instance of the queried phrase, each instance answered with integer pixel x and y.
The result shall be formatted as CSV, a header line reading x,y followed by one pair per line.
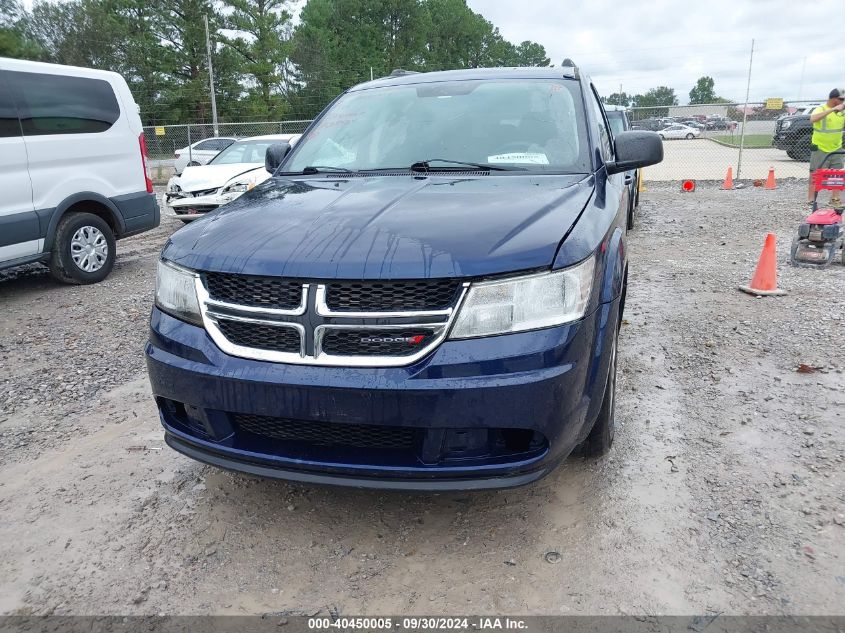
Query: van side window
x,y
9,123
604,134
56,104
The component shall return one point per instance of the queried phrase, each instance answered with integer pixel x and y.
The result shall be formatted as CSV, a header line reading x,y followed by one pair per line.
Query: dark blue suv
x,y
426,294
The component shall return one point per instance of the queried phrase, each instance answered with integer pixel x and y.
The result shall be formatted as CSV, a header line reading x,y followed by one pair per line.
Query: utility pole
x,y
371,73
801,81
745,112
211,78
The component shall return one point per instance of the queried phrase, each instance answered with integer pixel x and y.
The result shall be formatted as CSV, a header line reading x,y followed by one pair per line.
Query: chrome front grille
x,y
343,323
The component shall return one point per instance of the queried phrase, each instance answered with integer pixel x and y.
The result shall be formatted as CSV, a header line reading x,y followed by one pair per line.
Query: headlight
x,y
525,303
239,187
785,125
176,292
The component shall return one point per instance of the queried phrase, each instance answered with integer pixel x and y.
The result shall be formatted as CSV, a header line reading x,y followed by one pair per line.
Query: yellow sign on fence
x,y
774,104
159,130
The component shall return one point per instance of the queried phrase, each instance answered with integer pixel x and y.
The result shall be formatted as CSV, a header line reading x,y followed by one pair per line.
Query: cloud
x,y
666,42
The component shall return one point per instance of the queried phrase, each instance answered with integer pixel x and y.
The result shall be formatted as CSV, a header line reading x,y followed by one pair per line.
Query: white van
x,y
73,174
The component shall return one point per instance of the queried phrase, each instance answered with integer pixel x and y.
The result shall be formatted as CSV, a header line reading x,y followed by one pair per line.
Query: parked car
x,y
617,116
650,124
427,295
679,131
201,152
72,169
720,123
794,133
698,125
234,171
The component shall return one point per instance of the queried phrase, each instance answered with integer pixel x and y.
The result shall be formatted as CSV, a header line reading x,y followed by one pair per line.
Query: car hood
x,y
201,177
796,117
387,227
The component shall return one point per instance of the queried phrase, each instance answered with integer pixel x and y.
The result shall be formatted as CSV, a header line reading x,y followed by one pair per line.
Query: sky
x,y
641,45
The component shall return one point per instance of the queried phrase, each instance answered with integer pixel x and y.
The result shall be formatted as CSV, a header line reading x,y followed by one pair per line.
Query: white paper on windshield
x,y
519,157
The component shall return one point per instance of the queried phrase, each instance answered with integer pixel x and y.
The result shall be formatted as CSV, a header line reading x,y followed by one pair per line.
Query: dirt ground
x,y
724,491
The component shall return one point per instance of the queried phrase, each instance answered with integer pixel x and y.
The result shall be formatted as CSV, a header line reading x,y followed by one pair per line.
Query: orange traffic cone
x,y
765,280
729,179
770,181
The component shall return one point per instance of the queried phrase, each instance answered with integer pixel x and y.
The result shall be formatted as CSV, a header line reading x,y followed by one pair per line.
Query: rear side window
x,y
55,104
9,124
214,144
207,145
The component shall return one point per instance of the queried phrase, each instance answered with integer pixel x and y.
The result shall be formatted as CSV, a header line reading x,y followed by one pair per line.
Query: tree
x,y
456,35
263,67
618,99
460,38
337,43
262,48
14,42
660,96
703,91
529,54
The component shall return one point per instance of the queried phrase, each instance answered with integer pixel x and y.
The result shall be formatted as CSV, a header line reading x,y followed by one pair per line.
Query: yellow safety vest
x,y
827,133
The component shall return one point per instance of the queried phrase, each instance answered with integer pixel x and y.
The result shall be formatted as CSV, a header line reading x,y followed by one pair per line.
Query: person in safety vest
x,y
828,122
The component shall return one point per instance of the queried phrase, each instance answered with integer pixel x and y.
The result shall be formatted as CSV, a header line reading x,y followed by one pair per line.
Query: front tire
x,y
84,249
690,136
600,439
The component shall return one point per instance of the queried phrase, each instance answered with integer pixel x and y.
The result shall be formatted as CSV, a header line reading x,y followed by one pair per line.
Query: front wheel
x,y
84,249
801,152
690,136
600,439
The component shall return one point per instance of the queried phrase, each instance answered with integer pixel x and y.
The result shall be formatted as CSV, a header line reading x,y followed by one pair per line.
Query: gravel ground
x,y
724,492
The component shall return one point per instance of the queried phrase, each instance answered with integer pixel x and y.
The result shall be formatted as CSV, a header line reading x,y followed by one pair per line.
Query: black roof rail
x,y
401,72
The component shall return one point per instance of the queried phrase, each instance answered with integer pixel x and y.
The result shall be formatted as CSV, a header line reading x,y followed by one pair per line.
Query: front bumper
x,y
192,208
788,141
544,388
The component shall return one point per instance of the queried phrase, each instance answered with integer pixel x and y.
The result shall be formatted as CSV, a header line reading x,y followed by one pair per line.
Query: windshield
x,y
532,125
617,121
244,152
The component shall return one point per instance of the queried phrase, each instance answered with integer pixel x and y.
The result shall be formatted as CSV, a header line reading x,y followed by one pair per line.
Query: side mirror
x,y
636,149
274,156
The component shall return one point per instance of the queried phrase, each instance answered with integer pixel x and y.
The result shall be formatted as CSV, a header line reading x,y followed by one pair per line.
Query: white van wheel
x,y
84,249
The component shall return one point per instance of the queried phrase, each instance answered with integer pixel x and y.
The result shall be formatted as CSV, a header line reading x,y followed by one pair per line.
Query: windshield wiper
x,y
425,165
316,169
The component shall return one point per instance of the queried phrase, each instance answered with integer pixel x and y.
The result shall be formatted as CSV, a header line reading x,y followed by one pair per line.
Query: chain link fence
x,y
163,141
702,141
